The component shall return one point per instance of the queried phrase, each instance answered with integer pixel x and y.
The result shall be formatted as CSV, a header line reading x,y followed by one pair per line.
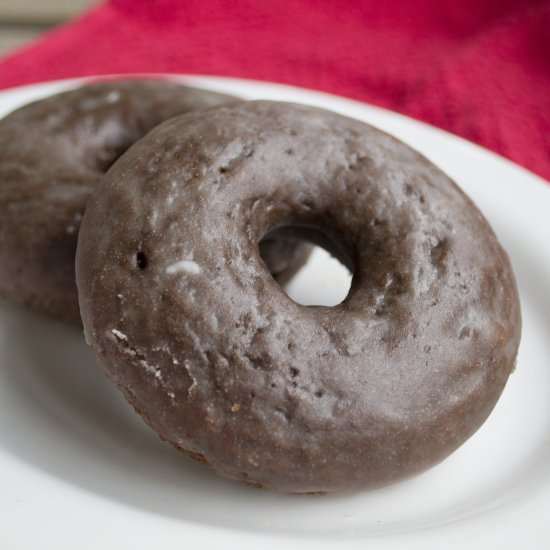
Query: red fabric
x,y
478,68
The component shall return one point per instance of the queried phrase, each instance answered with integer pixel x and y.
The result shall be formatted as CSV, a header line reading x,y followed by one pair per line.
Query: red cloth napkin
x,y
478,68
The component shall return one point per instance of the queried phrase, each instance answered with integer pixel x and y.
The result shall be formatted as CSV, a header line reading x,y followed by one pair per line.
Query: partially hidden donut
x,y
53,154
202,341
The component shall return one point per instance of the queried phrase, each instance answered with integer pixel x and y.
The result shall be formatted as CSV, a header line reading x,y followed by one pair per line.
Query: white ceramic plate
x,y
78,469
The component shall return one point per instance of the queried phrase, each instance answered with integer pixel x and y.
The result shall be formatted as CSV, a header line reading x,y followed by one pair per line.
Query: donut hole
x,y
109,153
325,279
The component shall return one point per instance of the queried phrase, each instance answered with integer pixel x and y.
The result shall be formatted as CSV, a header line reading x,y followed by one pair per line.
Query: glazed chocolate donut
x,y
53,153
207,347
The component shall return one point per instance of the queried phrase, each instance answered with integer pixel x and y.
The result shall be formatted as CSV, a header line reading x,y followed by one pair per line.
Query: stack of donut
x,y
191,209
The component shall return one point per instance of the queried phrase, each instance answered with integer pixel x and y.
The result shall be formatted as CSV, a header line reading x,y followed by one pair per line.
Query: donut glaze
x,y
202,341
53,153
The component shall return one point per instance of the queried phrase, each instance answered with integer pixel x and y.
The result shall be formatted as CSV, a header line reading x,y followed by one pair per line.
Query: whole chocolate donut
x,y
207,347
53,153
